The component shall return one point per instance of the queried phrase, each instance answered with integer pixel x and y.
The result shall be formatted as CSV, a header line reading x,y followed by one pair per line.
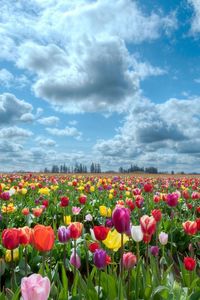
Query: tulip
x,y
75,229
42,238
88,218
121,219
37,211
64,201
154,250
129,260
136,233
190,227
148,187
105,211
172,199
100,258
163,238
75,260
25,235
156,213
82,199
113,240
35,287
8,256
148,226
67,220
189,263
5,196
63,234
93,247
25,211
76,210
198,224
10,238
109,223
100,232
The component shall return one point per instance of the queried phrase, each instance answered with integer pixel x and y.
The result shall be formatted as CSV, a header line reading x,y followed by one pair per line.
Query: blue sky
x,y
114,82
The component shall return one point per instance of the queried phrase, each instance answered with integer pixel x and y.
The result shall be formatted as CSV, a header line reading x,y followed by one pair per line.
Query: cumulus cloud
x,y
7,79
14,132
155,134
67,131
12,109
43,141
87,68
49,121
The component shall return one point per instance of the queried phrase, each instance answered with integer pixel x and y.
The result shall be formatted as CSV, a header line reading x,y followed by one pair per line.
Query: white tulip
x,y
136,233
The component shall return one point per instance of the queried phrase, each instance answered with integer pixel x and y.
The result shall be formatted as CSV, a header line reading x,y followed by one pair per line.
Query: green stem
x,y
122,253
12,271
129,273
64,255
138,250
99,284
26,259
43,263
74,258
147,254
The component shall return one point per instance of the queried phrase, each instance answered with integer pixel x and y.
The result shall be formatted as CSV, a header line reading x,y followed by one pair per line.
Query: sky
x,y
112,82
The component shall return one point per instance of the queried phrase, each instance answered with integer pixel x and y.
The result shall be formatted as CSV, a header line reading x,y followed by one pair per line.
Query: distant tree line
x,y
135,168
77,168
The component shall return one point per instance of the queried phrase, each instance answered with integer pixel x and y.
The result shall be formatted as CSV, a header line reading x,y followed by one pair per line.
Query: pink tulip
x,y
35,287
75,261
129,260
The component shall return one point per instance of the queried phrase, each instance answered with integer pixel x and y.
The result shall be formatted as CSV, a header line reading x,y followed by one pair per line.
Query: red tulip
x,y
25,235
100,232
156,213
198,224
75,230
64,201
82,199
189,263
121,219
93,247
190,227
10,238
148,187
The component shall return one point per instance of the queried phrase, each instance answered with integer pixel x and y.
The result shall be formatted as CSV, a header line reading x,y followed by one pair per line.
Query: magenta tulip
x,y
121,219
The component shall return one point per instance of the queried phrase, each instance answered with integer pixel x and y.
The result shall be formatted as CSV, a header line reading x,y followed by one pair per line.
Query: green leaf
x,y
195,296
65,282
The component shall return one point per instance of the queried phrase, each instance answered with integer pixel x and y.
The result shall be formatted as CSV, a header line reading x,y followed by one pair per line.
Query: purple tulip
x,y
5,196
109,223
154,250
100,258
121,219
63,234
75,261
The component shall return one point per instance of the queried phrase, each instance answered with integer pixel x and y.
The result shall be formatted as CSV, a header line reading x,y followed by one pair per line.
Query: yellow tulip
x,y
67,220
110,196
105,211
23,191
44,191
113,240
92,188
15,255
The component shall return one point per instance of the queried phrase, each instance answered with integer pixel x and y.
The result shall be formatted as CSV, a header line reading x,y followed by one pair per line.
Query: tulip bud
x,y
129,260
121,219
75,261
154,250
100,258
163,238
63,234
136,233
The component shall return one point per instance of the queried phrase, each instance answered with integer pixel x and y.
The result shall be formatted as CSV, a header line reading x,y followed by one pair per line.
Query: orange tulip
x,y
25,235
75,230
42,238
37,211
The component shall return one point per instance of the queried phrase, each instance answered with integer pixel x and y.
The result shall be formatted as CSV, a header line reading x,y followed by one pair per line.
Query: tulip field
x,y
111,237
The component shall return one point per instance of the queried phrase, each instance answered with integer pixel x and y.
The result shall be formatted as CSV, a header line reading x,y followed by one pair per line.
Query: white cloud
x,y
12,109
49,121
195,22
156,134
67,131
7,79
43,141
14,132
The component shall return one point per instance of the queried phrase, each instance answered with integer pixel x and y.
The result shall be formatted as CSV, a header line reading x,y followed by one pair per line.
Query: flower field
x,y
99,237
